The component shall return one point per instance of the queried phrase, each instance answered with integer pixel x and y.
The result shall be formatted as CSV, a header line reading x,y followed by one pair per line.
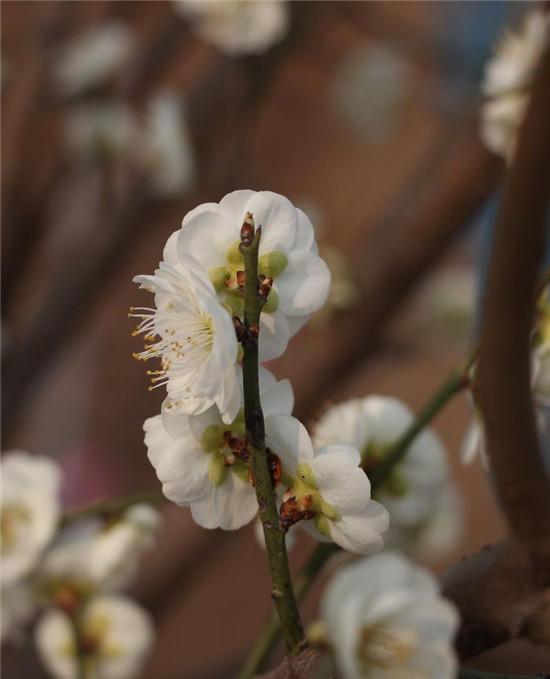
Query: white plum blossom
x,y
100,129
93,57
288,253
115,637
192,335
237,27
327,492
93,556
508,76
385,619
373,425
164,147
30,512
202,461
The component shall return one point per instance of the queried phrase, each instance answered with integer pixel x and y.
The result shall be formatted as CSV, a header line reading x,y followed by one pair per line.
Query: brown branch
x,y
500,597
522,485
444,194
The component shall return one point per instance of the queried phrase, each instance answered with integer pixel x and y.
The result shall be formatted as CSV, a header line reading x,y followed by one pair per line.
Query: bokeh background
x,y
365,115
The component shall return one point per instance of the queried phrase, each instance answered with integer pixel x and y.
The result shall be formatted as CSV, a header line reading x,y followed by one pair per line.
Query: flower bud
x,y
273,263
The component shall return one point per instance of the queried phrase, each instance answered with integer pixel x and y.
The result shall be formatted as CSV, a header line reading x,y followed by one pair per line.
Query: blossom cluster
x,y
508,77
198,443
72,574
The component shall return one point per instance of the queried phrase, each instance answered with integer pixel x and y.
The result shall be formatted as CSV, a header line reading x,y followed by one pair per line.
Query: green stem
x,y
282,592
112,507
451,386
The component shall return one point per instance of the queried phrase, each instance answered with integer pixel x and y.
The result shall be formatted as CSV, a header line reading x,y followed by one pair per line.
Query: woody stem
x,y
282,592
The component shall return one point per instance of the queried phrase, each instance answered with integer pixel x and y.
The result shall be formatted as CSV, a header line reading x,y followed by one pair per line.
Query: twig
x,y
522,485
282,594
111,507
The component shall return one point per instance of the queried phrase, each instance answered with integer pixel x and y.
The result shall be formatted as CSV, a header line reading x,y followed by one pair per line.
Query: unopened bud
x,y
247,229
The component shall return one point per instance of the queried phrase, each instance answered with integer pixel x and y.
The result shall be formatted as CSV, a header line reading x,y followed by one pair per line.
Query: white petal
x,y
360,533
305,235
278,219
274,335
181,465
228,506
278,399
206,236
234,203
288,438
304,286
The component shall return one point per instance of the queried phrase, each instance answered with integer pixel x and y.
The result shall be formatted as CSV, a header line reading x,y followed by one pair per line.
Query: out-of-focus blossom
x,y
327,492
373,425
202,462
385,619
93,57
165,147
370,88
102,129
237,27
115,636
30,511
192,335
288,254
508,77
90,556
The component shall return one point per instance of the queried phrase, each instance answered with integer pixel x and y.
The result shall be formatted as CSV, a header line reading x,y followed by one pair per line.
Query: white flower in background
x,y
508,76
437,536
91,555
327,492
101,129
164,148
373,425
192,335
370,89
115,637
541,374
237,26
385,619
30,511
93,57
202,462
288,253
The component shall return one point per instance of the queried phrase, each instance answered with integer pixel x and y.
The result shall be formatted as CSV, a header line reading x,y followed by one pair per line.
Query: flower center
x,y
11,520
303,501
386,648
395,483
228,279
228,449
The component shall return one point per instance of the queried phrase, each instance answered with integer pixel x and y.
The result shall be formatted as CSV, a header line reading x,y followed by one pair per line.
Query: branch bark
x,y
282,593
522,485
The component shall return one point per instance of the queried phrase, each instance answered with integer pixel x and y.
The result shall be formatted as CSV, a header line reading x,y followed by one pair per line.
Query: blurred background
x,y
118,118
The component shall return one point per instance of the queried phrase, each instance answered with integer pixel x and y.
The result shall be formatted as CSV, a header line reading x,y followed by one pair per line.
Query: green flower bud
x,y
212,438
218,275
234,255
217,471
305,474
234,304
273,263
322,525
272,303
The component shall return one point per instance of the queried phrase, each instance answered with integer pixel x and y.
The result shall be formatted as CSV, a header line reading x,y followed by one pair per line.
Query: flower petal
x,y
304,286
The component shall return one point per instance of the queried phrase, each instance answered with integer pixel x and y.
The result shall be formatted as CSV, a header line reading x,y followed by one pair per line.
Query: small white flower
x,y
326,490
386,619
91,556
373,425
202,462
237,26
30,511
508,76
192,335
116,636
288,253
101,128
164,148
93,57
